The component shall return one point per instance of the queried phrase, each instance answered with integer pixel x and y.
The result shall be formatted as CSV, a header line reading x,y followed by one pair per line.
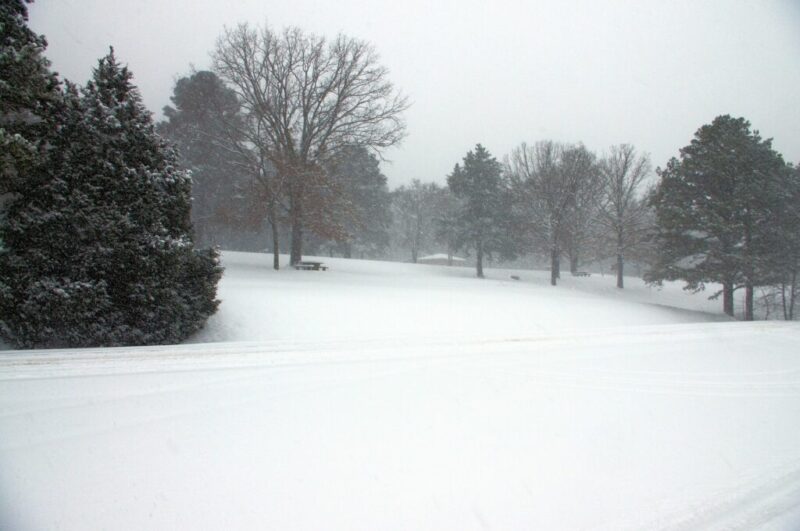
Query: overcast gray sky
x,y
499,73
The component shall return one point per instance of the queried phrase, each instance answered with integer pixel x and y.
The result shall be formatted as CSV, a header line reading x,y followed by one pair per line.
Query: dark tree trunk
x,y
553,266
727,298
620,271
348,251
414,255
480,259
296,214
573,263
748,301
276,243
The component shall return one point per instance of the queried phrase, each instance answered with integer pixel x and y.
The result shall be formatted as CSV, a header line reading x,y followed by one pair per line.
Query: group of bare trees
x,y
571,202
306,102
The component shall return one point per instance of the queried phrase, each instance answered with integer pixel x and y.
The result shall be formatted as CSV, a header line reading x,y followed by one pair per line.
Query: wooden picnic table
x,y
311,266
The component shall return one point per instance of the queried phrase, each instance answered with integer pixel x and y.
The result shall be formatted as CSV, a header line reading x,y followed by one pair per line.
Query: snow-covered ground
x,y
396,396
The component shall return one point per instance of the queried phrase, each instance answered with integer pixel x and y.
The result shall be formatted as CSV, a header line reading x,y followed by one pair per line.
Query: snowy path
x,y
685,426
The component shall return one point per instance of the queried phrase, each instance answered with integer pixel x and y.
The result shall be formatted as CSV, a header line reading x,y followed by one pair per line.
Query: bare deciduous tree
x,y
548,176
623,212
311,98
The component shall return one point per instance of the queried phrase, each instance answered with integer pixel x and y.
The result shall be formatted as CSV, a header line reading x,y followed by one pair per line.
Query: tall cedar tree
x,y
482,220
199,125
100,252
29,100
715,209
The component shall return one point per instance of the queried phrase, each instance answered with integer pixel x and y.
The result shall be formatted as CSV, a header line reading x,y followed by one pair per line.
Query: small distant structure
x,y
441,259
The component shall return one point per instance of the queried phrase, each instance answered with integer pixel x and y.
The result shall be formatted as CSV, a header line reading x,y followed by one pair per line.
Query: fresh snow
x,y
399,396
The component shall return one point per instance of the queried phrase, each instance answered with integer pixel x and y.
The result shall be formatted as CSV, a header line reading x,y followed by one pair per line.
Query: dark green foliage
x,y
716,211
483,218
205,125
29,97
364,203
98,248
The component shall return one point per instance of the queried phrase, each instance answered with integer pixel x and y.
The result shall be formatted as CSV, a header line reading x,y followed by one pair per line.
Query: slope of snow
x,y
463,404
358,299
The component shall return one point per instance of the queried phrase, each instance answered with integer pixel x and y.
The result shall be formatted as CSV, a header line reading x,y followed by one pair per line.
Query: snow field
x,y
352,406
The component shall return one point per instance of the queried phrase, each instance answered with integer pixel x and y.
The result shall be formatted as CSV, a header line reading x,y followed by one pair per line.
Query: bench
x,y
581,274
310,266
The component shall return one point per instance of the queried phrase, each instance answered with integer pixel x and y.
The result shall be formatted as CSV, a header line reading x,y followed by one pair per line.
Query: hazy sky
x,y
499,73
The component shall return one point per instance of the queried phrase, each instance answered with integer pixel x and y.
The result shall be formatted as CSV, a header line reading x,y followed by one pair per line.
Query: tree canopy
x,y
715,210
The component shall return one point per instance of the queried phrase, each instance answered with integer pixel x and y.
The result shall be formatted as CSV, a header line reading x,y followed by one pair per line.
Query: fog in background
x,y
648,73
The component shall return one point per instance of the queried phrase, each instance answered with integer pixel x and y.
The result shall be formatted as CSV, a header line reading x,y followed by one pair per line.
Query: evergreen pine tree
x,y
366,208
205,124
715,210
100,253
485,204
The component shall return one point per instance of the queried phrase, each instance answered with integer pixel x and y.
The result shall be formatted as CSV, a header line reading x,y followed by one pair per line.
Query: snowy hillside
x,y
358,299
398,396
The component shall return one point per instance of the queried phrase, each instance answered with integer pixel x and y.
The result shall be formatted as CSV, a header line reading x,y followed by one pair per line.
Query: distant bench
x,y
581,274
311,266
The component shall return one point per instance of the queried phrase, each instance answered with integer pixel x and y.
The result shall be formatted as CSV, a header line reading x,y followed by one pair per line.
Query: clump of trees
x,y
96,234
305,100
552,182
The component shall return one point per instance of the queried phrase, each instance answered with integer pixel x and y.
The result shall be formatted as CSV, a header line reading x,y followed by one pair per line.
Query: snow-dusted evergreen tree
x,y
483,216
29,100
716,209
99,251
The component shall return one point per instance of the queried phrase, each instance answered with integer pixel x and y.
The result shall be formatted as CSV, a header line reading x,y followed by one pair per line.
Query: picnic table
x,y
311,266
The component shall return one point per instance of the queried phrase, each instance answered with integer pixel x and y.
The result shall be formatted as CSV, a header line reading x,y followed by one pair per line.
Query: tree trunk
x,y
480,259
748,301
348,251
414,255
276,243
573,263
296,214
620,259
727,298
553,266
558,265
792,295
